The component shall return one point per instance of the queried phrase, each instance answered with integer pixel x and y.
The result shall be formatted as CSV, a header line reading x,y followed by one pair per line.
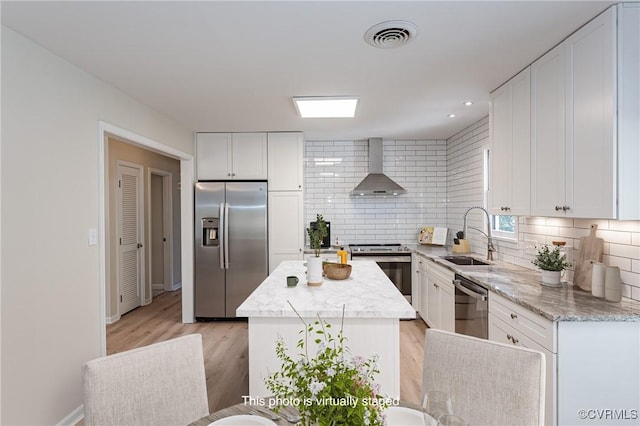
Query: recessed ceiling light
x,y
326,107
468,103
451,115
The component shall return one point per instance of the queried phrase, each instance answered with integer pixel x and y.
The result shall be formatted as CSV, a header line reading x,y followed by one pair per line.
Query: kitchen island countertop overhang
x,y
373,307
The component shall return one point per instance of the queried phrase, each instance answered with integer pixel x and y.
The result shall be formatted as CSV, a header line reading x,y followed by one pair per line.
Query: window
x,y
502,227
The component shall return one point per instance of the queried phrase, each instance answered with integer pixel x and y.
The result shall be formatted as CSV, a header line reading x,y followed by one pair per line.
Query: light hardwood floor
x,y
225,347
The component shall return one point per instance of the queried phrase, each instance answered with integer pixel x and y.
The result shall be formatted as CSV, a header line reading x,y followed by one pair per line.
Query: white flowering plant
x,y
331,388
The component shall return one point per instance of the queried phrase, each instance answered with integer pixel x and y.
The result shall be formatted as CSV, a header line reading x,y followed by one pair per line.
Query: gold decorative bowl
x,y
337,271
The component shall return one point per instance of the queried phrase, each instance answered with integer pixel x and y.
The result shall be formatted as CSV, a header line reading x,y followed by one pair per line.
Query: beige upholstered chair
x,y
159,384
489,383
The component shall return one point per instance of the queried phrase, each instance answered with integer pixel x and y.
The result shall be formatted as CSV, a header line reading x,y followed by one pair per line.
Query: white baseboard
x,y
112,319
176,286
73,418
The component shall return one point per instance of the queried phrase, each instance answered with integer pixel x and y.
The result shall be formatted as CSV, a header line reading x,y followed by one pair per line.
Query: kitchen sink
x,y
465,260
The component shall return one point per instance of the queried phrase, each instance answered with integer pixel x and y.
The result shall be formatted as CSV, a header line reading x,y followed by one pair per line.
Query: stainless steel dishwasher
x,y
471,307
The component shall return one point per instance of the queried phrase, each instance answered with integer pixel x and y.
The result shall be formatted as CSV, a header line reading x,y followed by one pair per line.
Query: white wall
x,y
333,168
50,276
465,188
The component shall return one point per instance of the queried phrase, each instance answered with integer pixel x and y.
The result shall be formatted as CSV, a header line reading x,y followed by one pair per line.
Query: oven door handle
x,y
468,291
383,259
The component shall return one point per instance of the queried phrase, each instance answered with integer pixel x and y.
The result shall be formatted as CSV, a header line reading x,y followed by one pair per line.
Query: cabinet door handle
x,y
565,208
514,340
299,186
228,174
510,337
558,208
514,316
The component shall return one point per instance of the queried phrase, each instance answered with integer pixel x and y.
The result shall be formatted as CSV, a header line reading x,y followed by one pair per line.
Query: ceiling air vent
x,y
390,34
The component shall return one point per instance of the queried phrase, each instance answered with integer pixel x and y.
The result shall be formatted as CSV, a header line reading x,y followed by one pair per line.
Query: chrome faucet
x,y
490,246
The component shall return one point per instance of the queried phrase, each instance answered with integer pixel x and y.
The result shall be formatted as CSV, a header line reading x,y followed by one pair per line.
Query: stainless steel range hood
x,y
376,182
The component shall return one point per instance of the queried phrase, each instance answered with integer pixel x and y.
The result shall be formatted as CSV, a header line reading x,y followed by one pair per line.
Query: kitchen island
x,y
372,307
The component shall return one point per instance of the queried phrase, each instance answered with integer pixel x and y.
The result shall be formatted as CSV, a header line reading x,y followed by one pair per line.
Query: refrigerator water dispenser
x,y
210,231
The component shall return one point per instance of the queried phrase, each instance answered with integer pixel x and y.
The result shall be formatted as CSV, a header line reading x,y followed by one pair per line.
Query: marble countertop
x,y
524,287
367,293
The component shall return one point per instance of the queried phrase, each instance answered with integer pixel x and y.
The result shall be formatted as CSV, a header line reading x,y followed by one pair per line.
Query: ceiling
x,y
234,66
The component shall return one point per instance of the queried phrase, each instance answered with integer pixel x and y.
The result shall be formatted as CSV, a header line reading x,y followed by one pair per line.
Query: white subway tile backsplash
x,y
621,262
632,252
417,165
615,236
625,225
443,179
464,185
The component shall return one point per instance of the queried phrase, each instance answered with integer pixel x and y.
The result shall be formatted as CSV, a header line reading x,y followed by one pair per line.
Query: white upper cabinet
x,y
228,156
590,181
510,157
574,138
628,125
285,161
548,147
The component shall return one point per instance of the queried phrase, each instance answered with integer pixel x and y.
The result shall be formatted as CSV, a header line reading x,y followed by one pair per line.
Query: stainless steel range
x,y
393,259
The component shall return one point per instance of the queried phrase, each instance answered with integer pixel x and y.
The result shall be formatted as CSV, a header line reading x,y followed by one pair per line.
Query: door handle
x,y
226,235
468,291
222,222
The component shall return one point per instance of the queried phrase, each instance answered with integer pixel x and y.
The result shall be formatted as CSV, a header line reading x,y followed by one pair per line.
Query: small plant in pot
x,y
314,264
317,234
552,262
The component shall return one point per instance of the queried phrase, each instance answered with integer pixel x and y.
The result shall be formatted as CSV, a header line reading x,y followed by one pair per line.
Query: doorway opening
x,y
167,264
160,218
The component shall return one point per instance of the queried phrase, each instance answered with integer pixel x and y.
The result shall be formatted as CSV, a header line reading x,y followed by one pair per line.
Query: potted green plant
x,y
332,387
552,262
314,264
317,234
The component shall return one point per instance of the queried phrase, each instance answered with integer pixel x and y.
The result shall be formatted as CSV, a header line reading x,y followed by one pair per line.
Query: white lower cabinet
x,y
592,369
598,373
440,302
514,332
286,227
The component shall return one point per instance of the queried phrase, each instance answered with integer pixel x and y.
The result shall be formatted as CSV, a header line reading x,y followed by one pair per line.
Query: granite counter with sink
x,y
524,287
591,345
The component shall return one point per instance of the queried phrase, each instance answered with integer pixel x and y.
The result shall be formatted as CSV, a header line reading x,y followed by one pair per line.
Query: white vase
x,y
612,284
314,271
551,277
597,279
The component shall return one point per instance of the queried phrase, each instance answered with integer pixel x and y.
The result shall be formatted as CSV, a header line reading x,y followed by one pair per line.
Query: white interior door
x,y
130,230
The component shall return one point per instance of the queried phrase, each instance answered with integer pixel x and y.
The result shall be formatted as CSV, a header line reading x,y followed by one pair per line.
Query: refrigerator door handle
x,y
223,221
226,236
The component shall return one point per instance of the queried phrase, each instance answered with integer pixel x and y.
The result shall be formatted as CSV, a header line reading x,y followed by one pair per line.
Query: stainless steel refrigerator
x,y
230,245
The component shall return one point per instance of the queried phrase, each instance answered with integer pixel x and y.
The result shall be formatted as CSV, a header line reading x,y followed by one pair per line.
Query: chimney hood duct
x,y
377,183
